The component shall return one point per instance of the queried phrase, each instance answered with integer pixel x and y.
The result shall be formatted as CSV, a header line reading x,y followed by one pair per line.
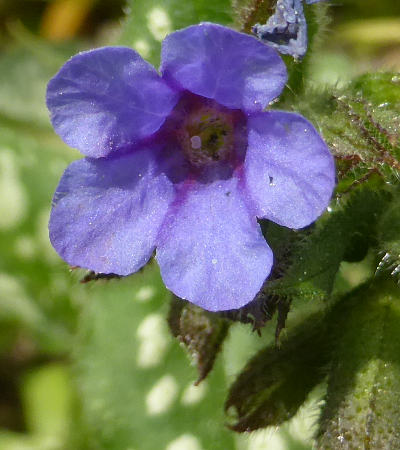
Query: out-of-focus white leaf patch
x,y
162,395
194,394
159,23
185,442
154,340
13,198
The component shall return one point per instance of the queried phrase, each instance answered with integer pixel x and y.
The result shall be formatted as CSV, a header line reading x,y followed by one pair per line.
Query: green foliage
x,y
134,378
24,101
350,225
277,381
38,297
356,342
132,385
389,229
380,88
389,239
35,293
361,409
360,126
48,401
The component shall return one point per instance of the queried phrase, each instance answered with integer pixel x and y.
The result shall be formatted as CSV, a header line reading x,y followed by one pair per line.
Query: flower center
x,y
207,135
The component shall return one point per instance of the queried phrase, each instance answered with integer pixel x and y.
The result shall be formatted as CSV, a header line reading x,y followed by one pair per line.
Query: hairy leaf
x,y
379,88
361,124
361,409
276,382
389,238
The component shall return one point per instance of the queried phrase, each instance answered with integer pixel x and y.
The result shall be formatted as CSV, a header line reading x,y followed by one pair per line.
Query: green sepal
x,y
201,332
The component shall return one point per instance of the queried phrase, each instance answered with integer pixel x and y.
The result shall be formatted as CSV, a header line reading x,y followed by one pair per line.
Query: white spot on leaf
x,y
14,302
142,47
194,394
161,396
159,23
13,199
25,247
153,341
145,293
184,442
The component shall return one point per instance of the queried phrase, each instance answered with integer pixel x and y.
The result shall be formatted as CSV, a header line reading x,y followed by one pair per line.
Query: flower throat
x,y
207,135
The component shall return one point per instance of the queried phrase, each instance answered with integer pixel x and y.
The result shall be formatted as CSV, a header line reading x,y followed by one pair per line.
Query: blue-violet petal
x,y
289,171
107,212
107,99
211,250
234,69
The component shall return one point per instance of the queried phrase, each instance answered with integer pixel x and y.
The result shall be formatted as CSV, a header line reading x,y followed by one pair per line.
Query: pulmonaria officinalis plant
x,y
183,163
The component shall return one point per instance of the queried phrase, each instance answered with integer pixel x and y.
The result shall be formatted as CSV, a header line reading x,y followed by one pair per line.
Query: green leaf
x,y
135,380
389,238
47,396
18,99
379,88
147,23
36,289
361,124
277,381
317,259
24,73
361,409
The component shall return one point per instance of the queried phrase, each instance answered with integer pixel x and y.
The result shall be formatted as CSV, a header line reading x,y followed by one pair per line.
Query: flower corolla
x,y
183,163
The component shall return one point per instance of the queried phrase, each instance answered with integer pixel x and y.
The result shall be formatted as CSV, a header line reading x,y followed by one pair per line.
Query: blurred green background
x,y
92,366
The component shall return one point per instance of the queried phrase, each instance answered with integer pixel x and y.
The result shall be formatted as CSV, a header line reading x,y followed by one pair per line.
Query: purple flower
x,y
183,163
